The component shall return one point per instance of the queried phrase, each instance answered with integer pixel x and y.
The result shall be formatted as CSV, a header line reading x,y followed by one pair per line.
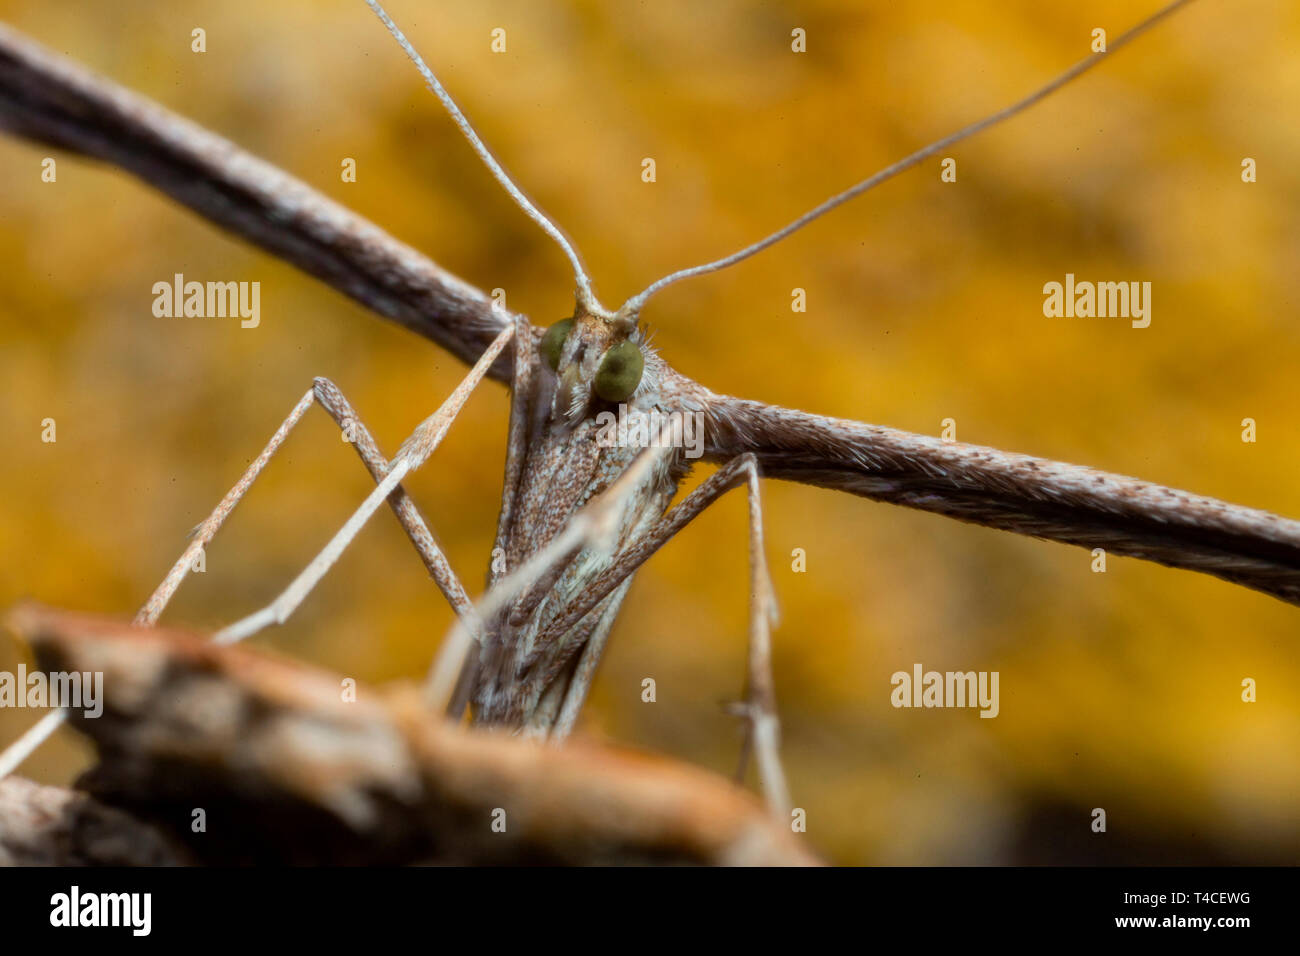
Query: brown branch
x,y
287,771
46,98
51,826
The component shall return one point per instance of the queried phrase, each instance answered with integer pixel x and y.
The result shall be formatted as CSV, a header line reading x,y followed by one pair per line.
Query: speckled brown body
x,y
523,674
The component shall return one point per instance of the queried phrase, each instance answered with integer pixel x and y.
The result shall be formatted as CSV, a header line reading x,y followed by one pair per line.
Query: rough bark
x,y
287,771
54,826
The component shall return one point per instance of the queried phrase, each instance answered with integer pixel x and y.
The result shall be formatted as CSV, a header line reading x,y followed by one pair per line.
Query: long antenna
x,y
586,297
632,306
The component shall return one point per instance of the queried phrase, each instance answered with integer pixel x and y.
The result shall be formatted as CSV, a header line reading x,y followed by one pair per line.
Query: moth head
x,y
594,359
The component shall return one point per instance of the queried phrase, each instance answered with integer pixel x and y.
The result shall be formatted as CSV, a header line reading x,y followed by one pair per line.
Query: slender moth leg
x,y
147,616
729,476
575,694
35,735
408,515
327,395
595,525
415,451
516,445
759,709
517,438
764,727
205,532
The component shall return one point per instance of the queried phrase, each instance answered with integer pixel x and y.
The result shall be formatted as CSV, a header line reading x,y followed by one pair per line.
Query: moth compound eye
x,y
553,342
619,372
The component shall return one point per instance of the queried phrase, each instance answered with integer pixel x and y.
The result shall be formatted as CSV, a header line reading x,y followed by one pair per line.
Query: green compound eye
x,y
553,342
619,372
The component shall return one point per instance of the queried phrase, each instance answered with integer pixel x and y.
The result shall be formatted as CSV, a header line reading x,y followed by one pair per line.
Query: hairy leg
x,y
324,392
521,392
759,707
415,451
595,525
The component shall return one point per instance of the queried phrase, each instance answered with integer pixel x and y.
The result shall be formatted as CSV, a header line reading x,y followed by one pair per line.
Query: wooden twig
x,y
286,770
54,826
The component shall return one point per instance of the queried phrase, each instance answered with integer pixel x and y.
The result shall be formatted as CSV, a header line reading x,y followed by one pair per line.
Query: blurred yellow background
x,y
1118,690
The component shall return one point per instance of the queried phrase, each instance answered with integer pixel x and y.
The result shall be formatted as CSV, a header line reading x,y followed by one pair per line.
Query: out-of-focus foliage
x,y
1118,690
